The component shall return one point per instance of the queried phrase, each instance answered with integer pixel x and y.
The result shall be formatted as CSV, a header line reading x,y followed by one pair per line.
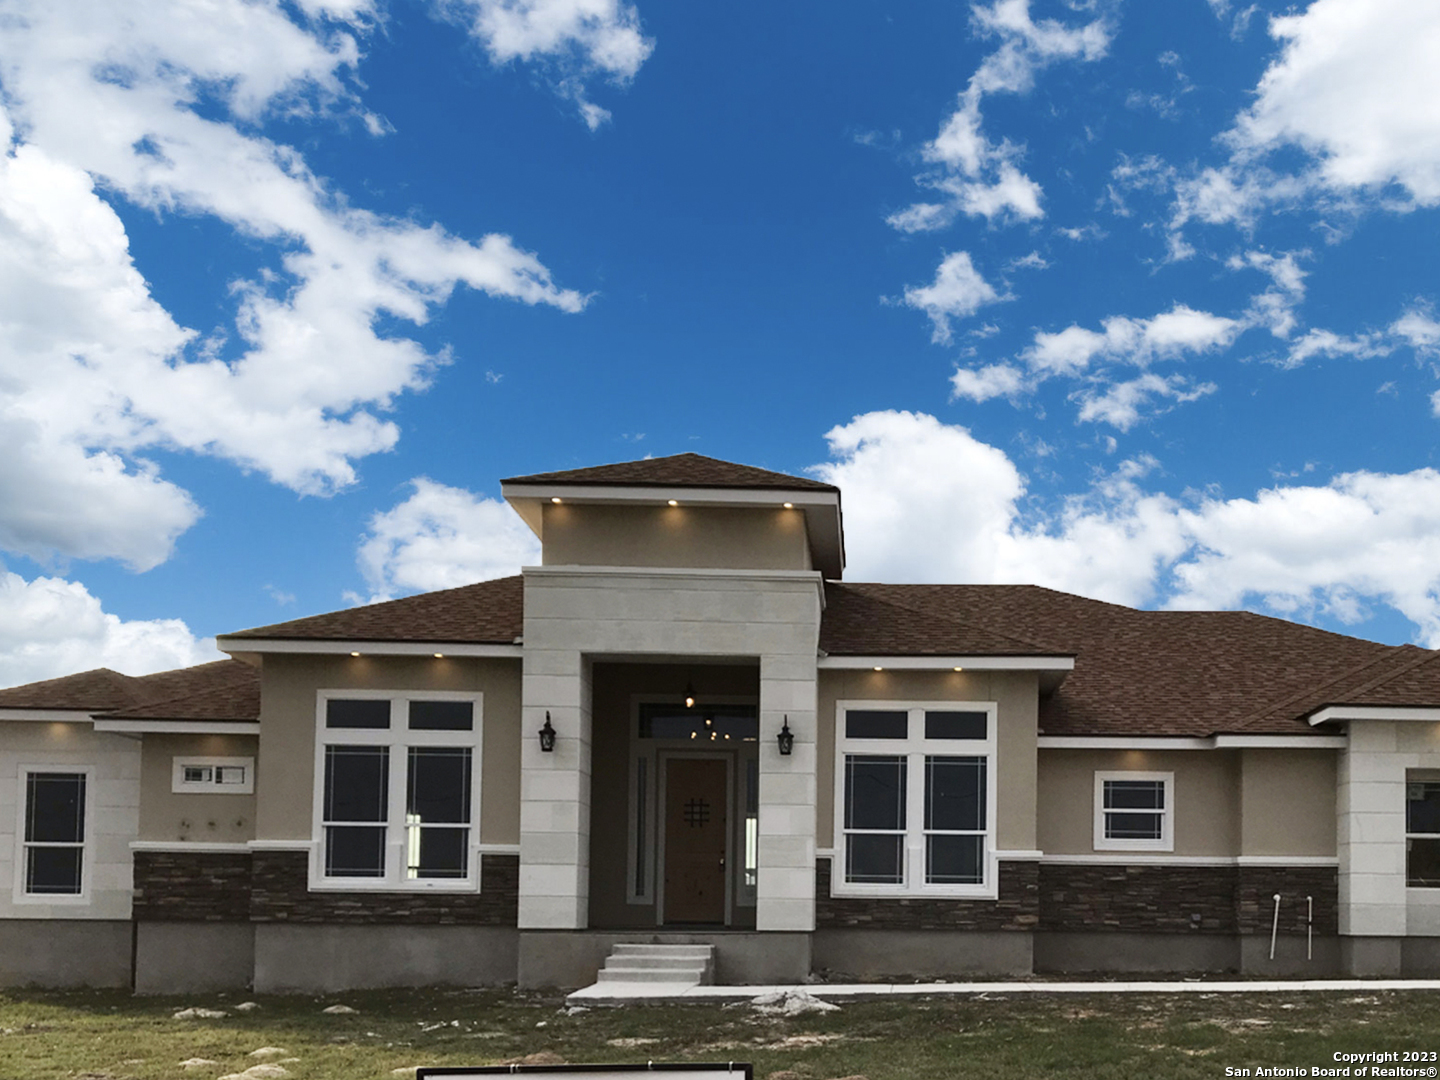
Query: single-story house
x,y
685,725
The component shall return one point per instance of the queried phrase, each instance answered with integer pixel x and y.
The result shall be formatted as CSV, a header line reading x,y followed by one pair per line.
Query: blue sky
x,y
1133,300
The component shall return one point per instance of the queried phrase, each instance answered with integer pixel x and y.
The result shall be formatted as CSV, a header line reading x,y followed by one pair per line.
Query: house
x,y
686,725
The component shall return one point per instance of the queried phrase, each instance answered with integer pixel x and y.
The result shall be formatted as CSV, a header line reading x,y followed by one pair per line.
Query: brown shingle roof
x,y
858,623
1415,683
227,688
678,470
488,612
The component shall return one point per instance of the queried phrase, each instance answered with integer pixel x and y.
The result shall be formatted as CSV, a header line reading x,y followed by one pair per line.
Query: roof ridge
x,y
967,624
155,703
1425,657
1315,692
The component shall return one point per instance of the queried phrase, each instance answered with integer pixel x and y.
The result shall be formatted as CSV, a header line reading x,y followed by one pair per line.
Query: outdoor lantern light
x,y
689,696
547,735
786,738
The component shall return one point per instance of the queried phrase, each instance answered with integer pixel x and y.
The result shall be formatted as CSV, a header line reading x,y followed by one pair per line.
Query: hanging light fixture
x,y
547,735
786,738
689,696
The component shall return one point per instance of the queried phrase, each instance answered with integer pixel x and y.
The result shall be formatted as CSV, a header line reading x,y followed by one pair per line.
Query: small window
x,y
956,725
357,713
1422,834
442,716
54,834
1134,811
877,724
213,775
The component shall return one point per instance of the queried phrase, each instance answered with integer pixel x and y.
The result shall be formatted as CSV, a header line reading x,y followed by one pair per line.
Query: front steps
x,y
659,967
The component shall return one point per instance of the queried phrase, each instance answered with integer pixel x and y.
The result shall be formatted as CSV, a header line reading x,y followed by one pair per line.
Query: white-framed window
x,y
53,834
915,798
213,775
1134,811
397,790
1422,832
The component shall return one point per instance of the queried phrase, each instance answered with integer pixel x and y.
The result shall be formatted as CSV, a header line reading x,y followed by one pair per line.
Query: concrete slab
x,y
621,992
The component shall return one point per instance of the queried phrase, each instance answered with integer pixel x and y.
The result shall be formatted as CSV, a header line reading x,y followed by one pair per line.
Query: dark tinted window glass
x,y
55,808
874,792
442,716
955,725
1422,863
1121,826
873,859
357,713
355,851
439,786
1134,795
954,860
357,783
441,853
53,871
1423,807
708,723
954,793
876,724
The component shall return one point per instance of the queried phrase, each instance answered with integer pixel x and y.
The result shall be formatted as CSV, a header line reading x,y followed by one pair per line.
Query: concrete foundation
x,y
1420,957
323,958
1101,952
1372,955
1291,959
886,954
185,957
573,958
64,952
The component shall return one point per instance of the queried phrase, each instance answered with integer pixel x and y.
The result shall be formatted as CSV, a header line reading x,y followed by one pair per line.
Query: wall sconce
x,y
786,738
547,735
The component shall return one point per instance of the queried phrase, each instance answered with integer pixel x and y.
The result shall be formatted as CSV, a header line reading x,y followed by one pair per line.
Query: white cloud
x,y
1167,336
1275,307
958,291
442,537
1329,344
1121,403
576,40
978,176
990,381
93,370
1418,330
51,627
926,501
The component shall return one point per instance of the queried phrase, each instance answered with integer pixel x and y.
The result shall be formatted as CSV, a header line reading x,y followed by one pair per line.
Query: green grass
x,y
110,1036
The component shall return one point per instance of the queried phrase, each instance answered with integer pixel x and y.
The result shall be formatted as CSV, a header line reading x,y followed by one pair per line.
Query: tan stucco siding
x,y
208,818
1207,803
285,775
1287,802
722,538
1016,695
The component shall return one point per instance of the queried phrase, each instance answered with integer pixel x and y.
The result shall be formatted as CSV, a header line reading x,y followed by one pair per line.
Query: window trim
x,y
1167,814
87,852
915,748
1417,776
399,739
179,785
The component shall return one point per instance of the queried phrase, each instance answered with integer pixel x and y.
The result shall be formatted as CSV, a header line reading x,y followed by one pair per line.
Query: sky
x,y
1132,300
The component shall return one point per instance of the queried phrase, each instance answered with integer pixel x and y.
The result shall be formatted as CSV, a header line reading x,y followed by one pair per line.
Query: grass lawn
x,y
110,1036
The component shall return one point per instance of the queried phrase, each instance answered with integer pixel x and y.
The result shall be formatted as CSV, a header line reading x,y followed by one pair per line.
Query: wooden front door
x,y
696,833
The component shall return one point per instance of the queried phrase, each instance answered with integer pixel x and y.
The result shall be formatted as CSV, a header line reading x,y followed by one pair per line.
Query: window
x,y
52,839
915,799
1422,834
396,805
213,775
1134,811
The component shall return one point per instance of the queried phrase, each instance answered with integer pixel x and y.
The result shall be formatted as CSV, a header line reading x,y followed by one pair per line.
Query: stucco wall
x,y
112,813
285,775
1016,695
1287,802
728,538
1207,798
207,818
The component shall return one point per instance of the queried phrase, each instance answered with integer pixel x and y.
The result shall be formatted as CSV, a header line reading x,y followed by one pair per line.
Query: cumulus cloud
x,y
576,41
958,291
442,537
974,174
161,105
51,627
927,501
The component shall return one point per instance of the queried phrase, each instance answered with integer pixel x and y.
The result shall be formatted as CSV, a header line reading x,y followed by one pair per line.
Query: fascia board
x,y
335,647
1374,712
942,663
1213,742
180,727
53,716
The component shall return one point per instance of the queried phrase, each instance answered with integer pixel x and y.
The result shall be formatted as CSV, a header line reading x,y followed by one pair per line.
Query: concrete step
x,y
670,976
701,952
673,963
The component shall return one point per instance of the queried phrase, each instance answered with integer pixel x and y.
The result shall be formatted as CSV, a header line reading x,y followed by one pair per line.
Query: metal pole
x,y
1309,928
1275,926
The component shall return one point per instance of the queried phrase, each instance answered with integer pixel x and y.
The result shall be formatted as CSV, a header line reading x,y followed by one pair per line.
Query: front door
x,y
696,834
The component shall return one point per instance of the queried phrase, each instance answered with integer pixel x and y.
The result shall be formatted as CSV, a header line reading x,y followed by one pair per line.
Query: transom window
x,y
53,834
915,802
1422,834
213,775
1134,811
396,805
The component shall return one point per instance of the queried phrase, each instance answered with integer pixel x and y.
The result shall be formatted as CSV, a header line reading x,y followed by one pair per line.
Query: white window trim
x,y
399,739
1428,776
915,749
87,856
1167,816
179,784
